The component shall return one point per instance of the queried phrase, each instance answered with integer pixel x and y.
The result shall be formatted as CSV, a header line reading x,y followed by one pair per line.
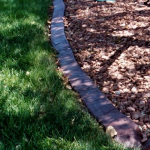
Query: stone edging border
x,y
98,105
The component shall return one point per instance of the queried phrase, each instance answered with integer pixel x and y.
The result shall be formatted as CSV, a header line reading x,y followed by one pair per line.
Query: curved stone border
x,y
98,105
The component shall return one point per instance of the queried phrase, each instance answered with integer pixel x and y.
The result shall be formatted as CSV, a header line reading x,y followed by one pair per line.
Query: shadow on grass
x,y
37,112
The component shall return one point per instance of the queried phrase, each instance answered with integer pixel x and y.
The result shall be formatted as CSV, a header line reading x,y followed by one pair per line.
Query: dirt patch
x,y
111,43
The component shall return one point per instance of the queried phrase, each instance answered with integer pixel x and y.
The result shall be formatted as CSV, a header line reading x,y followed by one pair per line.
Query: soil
x,y
111,43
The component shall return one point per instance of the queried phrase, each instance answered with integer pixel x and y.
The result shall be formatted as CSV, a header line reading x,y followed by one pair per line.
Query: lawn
x,y
37,112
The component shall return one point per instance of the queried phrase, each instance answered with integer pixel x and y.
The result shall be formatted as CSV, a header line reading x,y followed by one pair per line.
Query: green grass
x,y
37,112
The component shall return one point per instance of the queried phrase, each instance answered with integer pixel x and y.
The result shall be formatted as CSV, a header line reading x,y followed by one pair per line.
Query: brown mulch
x,y
111,43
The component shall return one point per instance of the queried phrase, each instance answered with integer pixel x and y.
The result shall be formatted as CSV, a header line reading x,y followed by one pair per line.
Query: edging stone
x,y
98,105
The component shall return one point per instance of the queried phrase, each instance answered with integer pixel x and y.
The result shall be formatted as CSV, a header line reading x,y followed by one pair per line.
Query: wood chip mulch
x,y
111,43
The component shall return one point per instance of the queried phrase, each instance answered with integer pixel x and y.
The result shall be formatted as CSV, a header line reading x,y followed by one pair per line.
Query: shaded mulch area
x,y
111,43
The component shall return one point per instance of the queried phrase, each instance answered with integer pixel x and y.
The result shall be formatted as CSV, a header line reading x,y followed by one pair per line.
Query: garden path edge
x,y
98,105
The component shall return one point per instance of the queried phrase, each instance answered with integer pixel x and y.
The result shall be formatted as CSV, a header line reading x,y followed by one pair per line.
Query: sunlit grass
x,y
36,111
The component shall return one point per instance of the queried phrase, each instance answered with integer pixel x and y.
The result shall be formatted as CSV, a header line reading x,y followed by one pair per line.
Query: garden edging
x,y
98,105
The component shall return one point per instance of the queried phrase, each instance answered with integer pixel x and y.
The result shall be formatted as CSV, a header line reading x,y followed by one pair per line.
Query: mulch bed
x,y
111,43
